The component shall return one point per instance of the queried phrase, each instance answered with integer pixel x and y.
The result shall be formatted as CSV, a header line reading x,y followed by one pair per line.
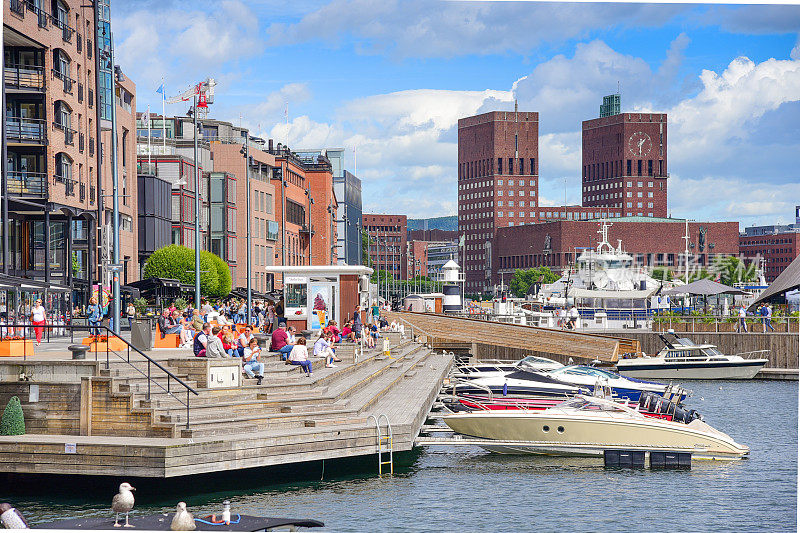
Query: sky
x,y
388,80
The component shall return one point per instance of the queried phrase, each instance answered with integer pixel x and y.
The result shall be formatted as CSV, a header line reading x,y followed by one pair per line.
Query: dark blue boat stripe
x,y
678,366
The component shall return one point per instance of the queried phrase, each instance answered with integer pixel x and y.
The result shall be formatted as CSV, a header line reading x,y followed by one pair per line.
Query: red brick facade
x,y
625,163
777,250
652,242
498,185
417,258
387,249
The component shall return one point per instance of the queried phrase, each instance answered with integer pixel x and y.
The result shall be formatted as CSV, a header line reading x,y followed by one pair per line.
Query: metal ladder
x,y
387,439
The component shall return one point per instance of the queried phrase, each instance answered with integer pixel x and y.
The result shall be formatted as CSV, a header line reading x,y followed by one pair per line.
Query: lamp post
x,y
245,151
196,208
115,308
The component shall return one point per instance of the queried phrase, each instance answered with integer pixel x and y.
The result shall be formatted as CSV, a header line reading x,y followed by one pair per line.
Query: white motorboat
x,y
519,383
683,359
497,368
587,426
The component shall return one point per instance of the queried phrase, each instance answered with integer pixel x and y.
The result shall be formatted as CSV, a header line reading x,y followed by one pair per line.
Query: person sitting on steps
x,y
323,348
253,367
299,356
214,347
244,340
280,342
200,343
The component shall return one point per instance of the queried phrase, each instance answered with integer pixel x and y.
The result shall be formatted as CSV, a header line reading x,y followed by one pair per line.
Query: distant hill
x,y
445,223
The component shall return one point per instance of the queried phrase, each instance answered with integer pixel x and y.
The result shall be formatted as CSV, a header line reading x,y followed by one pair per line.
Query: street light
x,y
245,151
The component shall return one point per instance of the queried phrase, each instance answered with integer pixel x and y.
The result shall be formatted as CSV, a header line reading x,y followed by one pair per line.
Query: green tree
x,y
701,274
732,270
224,280
366,242
523,279
661,274
177,262
13,421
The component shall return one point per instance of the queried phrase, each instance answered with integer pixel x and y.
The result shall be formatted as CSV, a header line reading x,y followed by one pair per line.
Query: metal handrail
x,y
109,334
21,181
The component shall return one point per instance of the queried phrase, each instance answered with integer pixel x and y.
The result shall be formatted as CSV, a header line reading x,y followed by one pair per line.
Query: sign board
x,y
115,267
295,280
70,447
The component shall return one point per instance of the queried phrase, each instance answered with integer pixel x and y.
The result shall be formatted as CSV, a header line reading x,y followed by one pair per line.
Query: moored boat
x,y
683,359
587,426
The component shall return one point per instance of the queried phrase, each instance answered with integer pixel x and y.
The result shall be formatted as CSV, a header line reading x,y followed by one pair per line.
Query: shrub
x,y
177,262
13,421
224,281
140,304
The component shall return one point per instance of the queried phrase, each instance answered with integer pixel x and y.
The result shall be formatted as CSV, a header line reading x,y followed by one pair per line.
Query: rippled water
x,y
450,489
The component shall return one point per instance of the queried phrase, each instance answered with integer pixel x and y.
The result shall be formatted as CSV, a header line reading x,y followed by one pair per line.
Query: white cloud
x,y
428,28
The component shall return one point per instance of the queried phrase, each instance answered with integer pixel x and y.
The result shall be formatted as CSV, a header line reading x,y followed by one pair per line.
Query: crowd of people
x,y
219,331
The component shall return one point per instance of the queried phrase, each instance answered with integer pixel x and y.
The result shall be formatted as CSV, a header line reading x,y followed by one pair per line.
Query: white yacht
x,y
683,359
587,426
500,368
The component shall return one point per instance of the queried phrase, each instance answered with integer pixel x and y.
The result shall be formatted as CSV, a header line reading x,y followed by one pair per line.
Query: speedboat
x,y
494,368
519,383
683,359
621,387
588,426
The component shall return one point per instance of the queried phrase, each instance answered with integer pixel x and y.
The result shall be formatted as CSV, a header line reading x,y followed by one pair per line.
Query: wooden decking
x,y
289,418
532,340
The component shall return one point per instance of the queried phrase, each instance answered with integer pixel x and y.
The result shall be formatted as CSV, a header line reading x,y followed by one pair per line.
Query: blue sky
x,y
391,78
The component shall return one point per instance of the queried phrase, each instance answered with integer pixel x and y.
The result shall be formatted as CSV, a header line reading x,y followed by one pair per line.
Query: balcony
x,y
68,82
69,184
26,130
24,77
24,183
69,133
66,29
18,7
39,12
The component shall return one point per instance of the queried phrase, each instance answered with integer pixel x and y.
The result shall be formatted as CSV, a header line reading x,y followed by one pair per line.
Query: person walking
x,y
94,315
38,319
131,312
357,324
742,324
766,313
270,317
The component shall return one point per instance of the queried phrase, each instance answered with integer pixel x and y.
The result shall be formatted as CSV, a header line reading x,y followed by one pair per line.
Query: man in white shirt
x,y
742,324
573,317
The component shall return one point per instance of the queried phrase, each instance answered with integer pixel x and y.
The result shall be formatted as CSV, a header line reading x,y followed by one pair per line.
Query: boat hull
x,y
554,434
746,369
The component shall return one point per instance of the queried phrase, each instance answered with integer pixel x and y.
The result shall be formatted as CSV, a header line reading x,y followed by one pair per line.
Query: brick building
x,y
388,243
56,105
625,163
417,258
497,182
776,246
652,241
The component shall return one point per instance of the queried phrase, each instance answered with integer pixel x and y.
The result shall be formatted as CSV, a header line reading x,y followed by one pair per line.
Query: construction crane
x,y
205,95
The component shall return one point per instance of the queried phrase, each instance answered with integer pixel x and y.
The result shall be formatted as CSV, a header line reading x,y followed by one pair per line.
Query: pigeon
x,y
122,503
183,519
10,518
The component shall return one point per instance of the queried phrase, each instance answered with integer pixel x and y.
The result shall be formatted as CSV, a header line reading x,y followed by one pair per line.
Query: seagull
x,y
122,503
10,518
226,512
183,519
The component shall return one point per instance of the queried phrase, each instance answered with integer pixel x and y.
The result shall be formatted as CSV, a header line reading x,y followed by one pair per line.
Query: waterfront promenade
x,y
85,419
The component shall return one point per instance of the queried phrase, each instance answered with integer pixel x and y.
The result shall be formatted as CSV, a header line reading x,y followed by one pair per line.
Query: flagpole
x,y
148,138
163,116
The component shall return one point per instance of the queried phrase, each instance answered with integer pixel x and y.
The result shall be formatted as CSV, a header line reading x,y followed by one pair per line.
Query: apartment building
x,y
57,177
388,249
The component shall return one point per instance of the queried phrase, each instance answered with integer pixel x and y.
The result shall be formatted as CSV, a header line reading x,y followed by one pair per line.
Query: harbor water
x,y
464,488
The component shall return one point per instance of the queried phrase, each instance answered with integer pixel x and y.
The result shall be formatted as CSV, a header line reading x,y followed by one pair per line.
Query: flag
x,y
161,91
146,117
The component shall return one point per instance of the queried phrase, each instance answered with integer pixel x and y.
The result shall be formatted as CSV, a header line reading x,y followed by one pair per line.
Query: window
x,y
532,183
500,203
639,183
532,169
650,194
499,193
630,204
521,165
511,204
639,167
510,165
639,205
649,183
650,205
649,167
629,194
629,170
500,182
639,194
630,184
500,166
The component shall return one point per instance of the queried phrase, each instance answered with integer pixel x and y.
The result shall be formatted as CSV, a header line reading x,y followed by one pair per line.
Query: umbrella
x,y
703,287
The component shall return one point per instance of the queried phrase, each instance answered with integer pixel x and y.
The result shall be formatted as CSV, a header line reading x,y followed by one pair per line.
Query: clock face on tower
x,y
639,144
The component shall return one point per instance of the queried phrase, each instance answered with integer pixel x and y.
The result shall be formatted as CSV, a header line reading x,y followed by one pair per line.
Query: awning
x,y
703,287
612,295
786,281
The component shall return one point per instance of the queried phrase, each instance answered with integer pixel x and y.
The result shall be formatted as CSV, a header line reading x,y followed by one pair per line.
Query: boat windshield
x,y
533,360
712,351
587,404
580,370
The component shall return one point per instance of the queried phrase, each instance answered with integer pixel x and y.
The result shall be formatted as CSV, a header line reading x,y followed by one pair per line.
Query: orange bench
x,y
170,340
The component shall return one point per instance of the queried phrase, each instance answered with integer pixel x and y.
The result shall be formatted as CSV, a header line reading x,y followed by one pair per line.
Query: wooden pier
x,y
85,419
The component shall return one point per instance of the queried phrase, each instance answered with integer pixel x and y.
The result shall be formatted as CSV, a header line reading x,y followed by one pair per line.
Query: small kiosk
x,y
315,295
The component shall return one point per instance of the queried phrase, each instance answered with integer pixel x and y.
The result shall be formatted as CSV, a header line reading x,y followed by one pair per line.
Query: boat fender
x,y
505,389
211,520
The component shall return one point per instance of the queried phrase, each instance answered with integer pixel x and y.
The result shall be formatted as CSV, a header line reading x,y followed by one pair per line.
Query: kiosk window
x,y
296,295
